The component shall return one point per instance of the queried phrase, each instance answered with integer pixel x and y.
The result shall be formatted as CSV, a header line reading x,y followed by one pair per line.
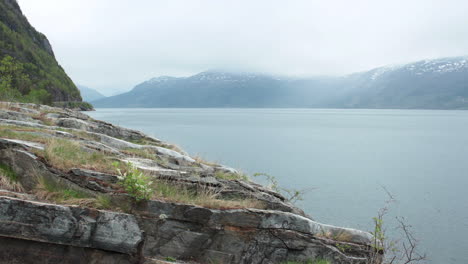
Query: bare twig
x,y
403,250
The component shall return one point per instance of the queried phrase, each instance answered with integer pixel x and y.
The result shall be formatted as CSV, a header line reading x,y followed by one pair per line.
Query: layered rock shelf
x,y
61,207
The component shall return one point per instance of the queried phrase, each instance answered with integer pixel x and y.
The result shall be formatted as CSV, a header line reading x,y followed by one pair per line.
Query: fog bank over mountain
x,y
112,45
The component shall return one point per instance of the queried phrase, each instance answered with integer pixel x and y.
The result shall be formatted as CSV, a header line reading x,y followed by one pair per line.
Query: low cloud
x,y
111,45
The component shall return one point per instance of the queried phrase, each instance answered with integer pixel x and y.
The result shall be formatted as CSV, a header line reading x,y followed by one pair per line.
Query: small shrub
x,y
291,195
135,183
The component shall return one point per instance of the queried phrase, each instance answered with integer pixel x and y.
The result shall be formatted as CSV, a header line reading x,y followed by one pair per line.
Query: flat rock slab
x,y
24,143
71,226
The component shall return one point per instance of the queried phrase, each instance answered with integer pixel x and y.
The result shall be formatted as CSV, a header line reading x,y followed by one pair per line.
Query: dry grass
x,y
231,176
144,141
55,192
83,135
23,128
40,116
21,133
173,147
337,235
9,179
66,154
202,197
199,159
7,106
43,118
141,153
146,154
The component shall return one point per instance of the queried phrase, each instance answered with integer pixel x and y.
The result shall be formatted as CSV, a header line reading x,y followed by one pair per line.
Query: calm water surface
x,y
421,157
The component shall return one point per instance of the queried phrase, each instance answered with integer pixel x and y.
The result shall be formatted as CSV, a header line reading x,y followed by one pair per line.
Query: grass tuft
x,y
231,176
66,154
103,202
141,153
21,133
202,197
43,118
9,179
201,160
56,192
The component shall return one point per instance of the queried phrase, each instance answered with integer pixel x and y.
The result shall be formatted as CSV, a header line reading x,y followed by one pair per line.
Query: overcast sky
x,y
112,45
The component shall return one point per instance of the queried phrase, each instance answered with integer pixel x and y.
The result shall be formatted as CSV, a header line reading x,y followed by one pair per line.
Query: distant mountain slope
x,y
89,94
206,89
429,84
28,69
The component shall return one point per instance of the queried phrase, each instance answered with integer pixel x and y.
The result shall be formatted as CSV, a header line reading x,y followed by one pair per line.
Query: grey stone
x,y
69,225
19,251
23,143
12,115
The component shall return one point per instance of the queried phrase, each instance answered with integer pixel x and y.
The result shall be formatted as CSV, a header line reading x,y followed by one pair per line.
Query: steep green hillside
x,y
28,69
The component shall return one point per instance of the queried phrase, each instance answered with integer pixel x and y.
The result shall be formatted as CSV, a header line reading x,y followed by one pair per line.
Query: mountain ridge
x,y
427,84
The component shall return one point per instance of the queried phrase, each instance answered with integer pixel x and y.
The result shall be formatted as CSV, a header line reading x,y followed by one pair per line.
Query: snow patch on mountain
x,y
161,79
224,76
380,71
439,66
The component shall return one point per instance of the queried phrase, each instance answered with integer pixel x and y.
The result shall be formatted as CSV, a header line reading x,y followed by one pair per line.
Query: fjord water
x,y
345,156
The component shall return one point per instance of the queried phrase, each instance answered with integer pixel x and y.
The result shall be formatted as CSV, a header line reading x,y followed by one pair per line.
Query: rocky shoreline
x,y
61,202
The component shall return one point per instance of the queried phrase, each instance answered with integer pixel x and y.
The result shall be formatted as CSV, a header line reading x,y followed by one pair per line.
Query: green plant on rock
x,y
273,183
343,247
135,182
170,259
